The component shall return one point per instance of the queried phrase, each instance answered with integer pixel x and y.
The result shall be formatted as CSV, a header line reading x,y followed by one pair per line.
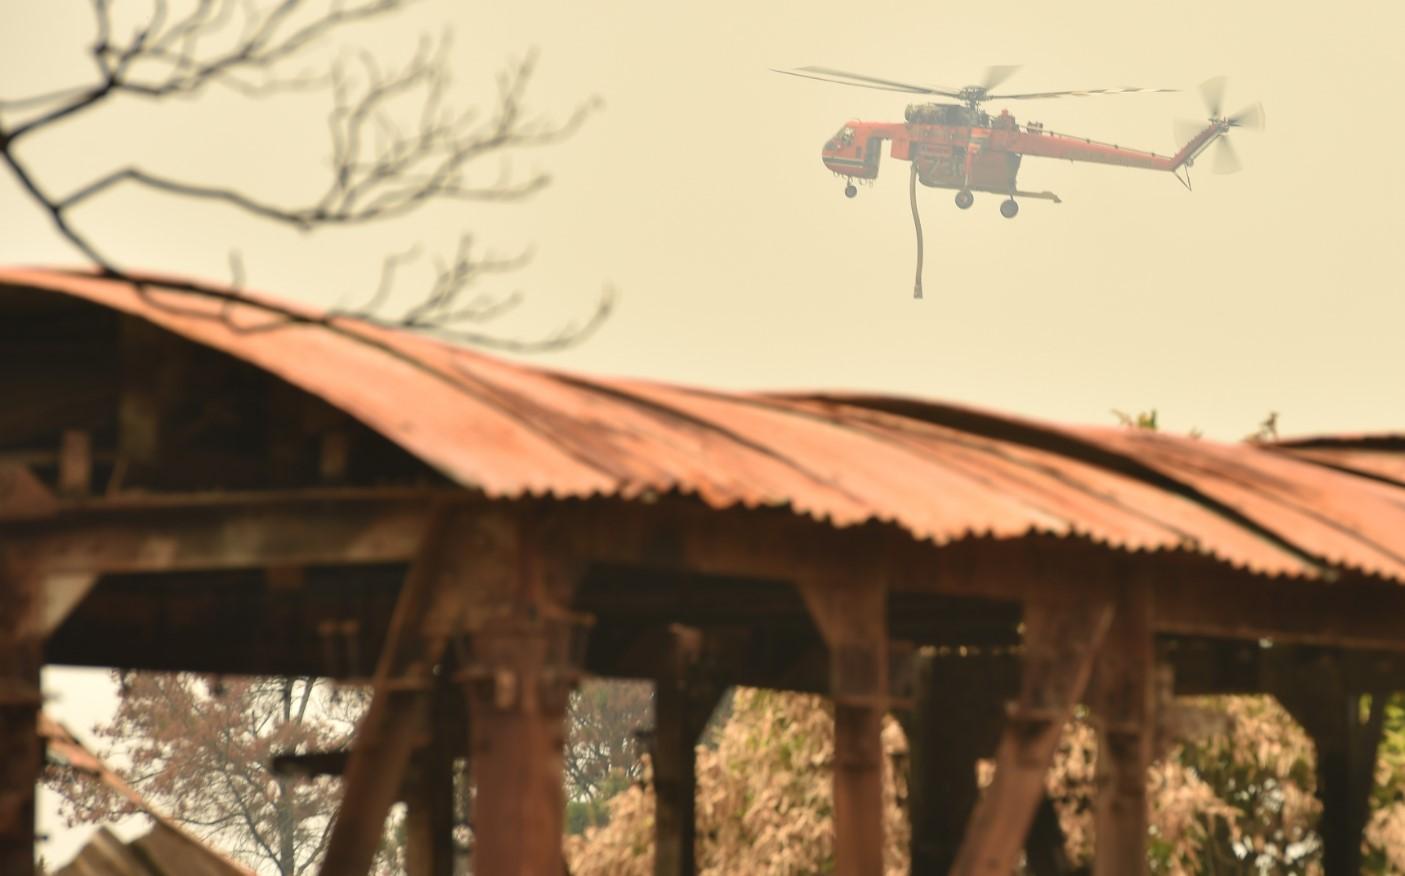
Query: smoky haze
x,y
698,192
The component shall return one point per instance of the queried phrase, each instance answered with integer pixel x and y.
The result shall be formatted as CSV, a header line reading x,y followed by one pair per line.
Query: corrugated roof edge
x,y
1320,570
1060,440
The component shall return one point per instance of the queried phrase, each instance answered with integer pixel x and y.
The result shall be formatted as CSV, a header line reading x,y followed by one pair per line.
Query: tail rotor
x,y
1226,158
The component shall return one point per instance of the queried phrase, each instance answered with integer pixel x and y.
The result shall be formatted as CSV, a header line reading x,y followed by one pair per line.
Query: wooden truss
x,y
473,619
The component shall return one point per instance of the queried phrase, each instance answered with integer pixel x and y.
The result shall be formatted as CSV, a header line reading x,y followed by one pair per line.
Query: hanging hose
x,y
916,224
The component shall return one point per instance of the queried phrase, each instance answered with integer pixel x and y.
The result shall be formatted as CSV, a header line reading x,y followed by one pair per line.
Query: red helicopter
x,y
960,146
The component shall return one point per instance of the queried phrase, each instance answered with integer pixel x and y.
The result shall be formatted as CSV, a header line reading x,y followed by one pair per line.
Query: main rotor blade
x,y
840,77
1251,117
1083,93
996,76
1212,90
1226,158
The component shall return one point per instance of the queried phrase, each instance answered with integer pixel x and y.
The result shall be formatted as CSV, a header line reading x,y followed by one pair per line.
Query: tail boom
x,y
1069,148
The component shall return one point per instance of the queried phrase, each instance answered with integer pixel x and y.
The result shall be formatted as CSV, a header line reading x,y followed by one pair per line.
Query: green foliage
x,y
1263,767
1141,420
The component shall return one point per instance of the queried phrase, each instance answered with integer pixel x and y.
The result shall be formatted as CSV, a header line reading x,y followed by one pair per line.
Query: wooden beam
x,y
75,463
1197,595
851,615
955,723
429,612
1352,612
1346,763
1062,641
1124,700
523,662
154,366
20,750
429,799
234,622
683,703
22,495
1346,731
229,531
59,595
518,704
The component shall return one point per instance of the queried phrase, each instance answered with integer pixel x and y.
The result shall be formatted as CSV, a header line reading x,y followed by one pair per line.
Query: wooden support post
x,y
955,722
858,788
154,364
20,750
1346,763
429,803
525,654
1315,693
1125,705
430,611
852,617
521,676
683,703
1061,642
75,463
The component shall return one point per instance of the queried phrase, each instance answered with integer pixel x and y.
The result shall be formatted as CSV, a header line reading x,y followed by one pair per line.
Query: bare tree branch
x,y
395,147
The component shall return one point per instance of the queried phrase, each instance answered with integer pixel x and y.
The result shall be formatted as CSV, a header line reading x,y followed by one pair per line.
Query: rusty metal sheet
x,y
941,472
1374,456
1347,521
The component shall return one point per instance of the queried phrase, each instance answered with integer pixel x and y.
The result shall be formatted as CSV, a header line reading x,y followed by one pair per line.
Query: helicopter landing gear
x,y
850,190
1009,208
964,199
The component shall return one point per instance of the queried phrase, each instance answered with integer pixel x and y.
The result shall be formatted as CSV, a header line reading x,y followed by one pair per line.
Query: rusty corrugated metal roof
x,y
1374,456
941,472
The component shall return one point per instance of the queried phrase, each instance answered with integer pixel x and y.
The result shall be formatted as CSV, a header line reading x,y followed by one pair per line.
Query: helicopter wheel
x,y
850,190
1009,209
964,199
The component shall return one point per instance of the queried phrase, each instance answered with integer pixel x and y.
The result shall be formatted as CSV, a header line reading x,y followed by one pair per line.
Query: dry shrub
x,y
1233,794
764,801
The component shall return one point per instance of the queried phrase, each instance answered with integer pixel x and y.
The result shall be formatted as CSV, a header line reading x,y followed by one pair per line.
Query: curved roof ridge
x,y
938,470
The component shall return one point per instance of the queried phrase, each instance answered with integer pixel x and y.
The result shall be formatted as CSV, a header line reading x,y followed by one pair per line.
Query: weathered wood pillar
x,y
20,749
683,703
524,658
1124,699
1061,641
955,723
429,798
1346,733
428,614
1346,761
852,618
518,703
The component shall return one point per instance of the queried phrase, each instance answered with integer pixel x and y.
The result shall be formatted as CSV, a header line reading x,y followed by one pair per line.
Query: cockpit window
x,y
845,136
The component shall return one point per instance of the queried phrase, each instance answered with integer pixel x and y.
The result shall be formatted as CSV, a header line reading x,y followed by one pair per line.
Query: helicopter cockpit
x,y
843,139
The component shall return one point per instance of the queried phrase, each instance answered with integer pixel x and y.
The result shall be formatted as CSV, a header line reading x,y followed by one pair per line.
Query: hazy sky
x,y
698,193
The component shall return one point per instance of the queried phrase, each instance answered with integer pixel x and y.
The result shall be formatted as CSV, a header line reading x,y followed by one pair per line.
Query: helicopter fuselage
x,y
964,148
